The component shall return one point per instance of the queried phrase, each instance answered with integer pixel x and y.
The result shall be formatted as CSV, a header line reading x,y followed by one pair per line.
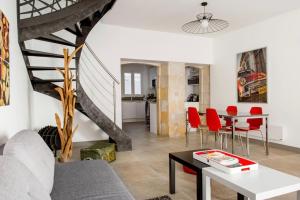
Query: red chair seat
x,y
254,123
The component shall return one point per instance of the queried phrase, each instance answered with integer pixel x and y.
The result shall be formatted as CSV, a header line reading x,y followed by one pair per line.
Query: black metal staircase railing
x,y
34,8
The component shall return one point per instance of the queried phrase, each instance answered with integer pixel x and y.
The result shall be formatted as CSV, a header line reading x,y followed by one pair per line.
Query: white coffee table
x,y
256,185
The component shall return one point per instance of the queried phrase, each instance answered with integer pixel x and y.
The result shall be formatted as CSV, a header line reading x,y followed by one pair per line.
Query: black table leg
x,y
199,185
172,176
240,196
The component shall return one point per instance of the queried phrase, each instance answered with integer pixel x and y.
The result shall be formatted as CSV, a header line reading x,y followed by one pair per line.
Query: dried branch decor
x,y
68,100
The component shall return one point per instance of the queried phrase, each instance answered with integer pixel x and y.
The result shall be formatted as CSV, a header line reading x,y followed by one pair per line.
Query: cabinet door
x,y
128,110
140,110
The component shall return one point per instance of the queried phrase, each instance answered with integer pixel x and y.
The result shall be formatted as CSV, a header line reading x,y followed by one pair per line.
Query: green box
x,y
100,151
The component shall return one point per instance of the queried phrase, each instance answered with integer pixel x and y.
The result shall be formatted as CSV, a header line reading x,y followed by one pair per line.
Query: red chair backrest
x,y
213,120
255,123
193,117
231,110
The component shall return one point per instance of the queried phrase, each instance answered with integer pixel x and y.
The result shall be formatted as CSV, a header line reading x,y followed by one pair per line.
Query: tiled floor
x,y
145,169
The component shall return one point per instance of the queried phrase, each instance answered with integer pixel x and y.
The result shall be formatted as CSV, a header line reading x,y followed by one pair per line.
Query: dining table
x,y
238,116
244,115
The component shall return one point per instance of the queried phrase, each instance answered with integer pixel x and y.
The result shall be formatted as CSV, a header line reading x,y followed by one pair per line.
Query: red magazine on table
x,y
225,161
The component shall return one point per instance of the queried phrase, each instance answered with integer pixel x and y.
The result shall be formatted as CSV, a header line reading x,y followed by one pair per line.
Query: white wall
x,y
112,43
281,36
15,117
43,110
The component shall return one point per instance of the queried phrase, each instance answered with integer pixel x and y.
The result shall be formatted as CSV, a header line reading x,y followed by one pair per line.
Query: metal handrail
x,y
85,66
101,64
85,57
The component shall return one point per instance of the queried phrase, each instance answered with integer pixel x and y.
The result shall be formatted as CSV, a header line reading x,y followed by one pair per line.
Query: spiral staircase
x,y
52,22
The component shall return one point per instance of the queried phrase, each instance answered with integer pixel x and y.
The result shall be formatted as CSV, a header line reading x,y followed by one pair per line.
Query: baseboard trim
x,y
276,145
284,147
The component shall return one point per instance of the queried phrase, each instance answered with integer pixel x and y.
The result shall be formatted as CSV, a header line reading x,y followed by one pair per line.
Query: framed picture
x,y
252,76
4,61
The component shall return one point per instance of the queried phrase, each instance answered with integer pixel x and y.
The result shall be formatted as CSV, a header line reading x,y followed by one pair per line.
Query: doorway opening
x,y
139,95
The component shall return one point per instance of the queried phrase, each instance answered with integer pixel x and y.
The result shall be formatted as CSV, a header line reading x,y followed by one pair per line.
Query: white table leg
x,y
206,187
298,195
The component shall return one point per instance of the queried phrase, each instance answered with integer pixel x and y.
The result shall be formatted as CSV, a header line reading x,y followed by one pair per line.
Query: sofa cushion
x,y
18,183
30,149
88,180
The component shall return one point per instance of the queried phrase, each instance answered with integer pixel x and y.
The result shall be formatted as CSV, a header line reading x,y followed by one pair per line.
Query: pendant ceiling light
x,y
205,23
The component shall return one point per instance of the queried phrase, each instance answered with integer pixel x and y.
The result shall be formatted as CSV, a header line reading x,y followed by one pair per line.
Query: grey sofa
x,y
28,172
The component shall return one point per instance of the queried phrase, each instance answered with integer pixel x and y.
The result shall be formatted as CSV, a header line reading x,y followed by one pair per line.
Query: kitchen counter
x,y
136,100
133,99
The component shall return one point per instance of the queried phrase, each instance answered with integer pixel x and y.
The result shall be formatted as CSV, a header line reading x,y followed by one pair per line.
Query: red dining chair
x,y
194,122
231,110
214,125
254,125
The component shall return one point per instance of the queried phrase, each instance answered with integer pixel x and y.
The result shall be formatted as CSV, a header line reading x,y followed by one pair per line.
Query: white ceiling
x,y
170,15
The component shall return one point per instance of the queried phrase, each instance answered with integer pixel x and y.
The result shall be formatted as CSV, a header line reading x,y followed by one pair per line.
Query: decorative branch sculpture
x,y
68,100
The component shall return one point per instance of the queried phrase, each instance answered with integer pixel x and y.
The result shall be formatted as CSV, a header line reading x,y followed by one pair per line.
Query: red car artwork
x,y
250,82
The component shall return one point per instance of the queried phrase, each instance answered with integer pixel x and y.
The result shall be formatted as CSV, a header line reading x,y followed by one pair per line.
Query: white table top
x,y
263,183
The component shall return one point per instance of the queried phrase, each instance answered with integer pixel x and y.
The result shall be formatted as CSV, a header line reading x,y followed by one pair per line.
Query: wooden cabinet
x,y
128,110
140,109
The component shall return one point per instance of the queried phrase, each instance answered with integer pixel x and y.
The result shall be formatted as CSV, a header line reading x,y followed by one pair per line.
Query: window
x,y
127,84
137,84
132,83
